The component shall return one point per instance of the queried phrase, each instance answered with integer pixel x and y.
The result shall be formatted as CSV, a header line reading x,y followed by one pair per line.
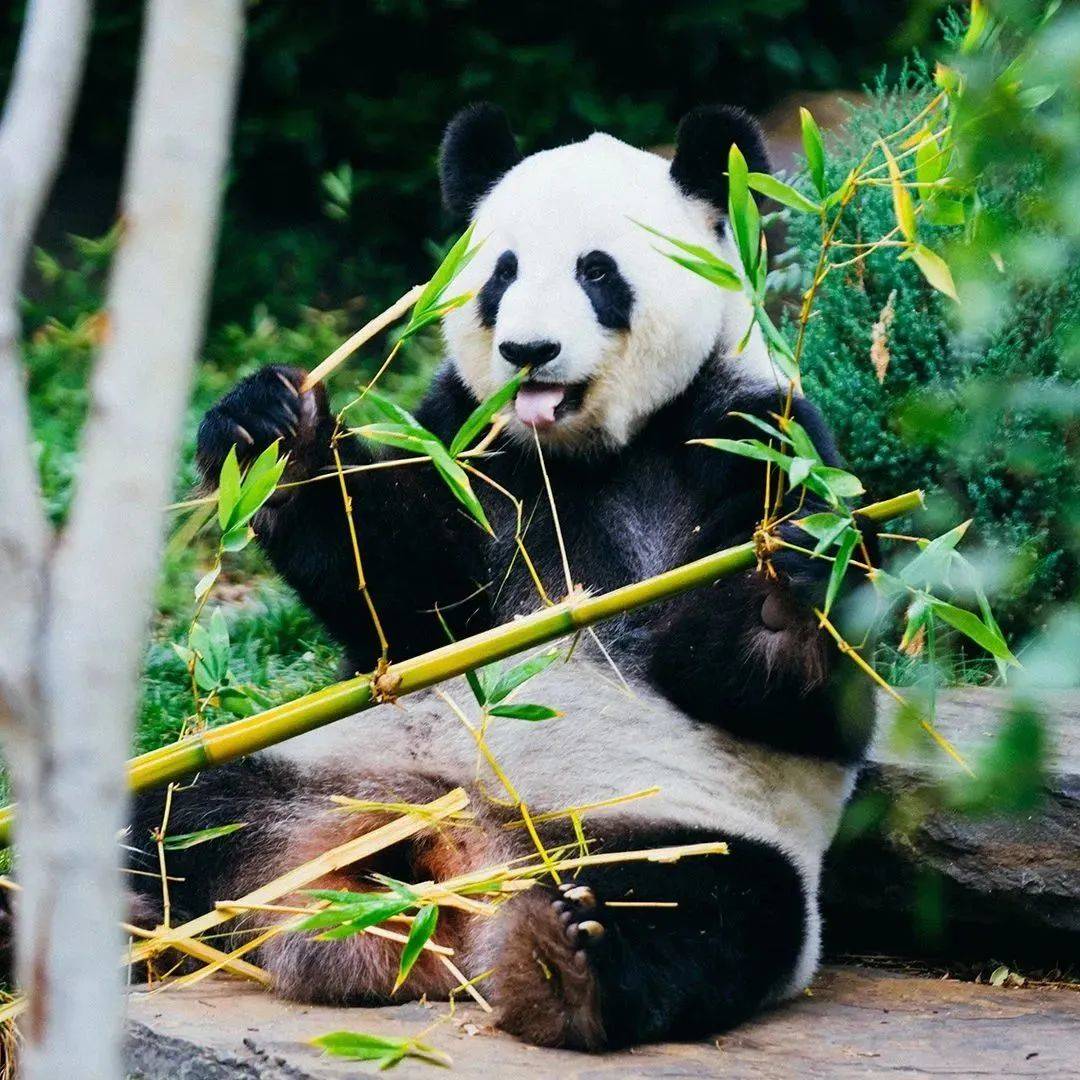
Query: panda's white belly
x,y
609,742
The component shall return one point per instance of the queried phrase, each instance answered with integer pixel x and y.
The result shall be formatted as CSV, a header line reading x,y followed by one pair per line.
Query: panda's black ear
x,y
701,151
477,149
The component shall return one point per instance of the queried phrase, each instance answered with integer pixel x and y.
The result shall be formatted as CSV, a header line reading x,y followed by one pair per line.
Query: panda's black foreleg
x,y
592,964
416,548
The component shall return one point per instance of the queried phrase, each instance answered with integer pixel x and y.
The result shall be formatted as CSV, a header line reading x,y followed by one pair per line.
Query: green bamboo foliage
x,y
206,749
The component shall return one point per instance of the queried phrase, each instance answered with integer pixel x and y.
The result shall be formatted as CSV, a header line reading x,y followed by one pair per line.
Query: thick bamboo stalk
x,y
216,746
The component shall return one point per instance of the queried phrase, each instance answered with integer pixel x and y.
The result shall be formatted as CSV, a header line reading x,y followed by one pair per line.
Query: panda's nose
x,y
530,354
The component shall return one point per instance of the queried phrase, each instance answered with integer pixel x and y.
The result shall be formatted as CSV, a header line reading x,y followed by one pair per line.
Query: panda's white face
x,y
567,284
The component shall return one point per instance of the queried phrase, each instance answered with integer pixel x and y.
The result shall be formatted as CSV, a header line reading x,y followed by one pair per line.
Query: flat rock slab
x,y
857,1022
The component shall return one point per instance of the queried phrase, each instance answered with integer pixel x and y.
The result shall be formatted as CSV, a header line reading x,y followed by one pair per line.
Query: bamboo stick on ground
x,y
344,855
206,749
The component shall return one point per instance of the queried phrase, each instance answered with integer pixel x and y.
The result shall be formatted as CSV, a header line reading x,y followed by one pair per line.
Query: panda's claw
x,y
581,895
288,383
576,910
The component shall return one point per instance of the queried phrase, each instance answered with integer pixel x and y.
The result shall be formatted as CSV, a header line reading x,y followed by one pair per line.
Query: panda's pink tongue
x,y
535,405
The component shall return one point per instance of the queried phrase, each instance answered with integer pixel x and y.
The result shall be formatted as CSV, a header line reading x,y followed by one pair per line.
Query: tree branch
x,y
104,569
33,131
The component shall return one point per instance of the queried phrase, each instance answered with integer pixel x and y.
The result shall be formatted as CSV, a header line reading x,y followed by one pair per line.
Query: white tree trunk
x,y
70,782
36,118
37,115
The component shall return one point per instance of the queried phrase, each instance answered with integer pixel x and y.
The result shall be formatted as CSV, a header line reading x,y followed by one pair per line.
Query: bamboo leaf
x,y
355,1046
750,448
779,349
392,412
814,150
695,250
259,484
944,212
979,23
237,701
519,674
903,207
742,212
434,314
724,277
237,538
782,193
206,582
842,484
929,566
457,258
839,568
457,480
394,435
423,926
484,413
228,488
183,841
762,425
804,445
827,529
823,524
351,919
523,711
344,896
935,269
929,161
800,470
971,626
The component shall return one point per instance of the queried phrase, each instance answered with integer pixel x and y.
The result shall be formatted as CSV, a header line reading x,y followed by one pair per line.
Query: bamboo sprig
x,y
215,746
362,336
343,855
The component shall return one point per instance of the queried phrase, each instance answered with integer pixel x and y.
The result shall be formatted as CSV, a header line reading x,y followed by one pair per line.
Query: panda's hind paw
x,y
545,980
576,908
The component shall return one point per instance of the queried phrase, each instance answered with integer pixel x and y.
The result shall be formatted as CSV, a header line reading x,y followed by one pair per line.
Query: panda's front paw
x,y
803,579
266,407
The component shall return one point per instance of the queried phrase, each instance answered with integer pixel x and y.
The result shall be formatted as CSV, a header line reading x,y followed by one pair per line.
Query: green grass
x,y
277,646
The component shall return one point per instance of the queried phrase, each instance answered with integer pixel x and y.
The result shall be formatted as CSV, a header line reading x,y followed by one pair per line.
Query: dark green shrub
x,y
980,420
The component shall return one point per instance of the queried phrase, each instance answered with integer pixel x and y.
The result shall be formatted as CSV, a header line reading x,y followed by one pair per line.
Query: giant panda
x,y
728,698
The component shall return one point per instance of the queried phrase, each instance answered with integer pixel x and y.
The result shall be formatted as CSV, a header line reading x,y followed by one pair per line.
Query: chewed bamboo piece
x,y
207,953
361,337
343,855
215,746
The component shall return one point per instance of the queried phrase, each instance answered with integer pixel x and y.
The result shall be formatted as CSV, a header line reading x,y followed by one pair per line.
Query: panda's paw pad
x,y
577,910
546,978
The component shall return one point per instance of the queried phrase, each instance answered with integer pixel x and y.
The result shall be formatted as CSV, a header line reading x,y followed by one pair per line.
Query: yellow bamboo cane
x,y
205,749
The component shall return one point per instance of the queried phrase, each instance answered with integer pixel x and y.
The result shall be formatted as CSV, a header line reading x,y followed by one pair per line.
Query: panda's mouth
x,y
541,405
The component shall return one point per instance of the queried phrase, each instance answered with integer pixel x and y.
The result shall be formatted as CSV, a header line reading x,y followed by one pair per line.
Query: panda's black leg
x,y
639,951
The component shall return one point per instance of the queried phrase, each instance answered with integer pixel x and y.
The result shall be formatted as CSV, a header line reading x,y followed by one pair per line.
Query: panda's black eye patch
x,y
608,291
490,296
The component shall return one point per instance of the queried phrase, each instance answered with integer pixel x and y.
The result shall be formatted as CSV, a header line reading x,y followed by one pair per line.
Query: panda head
x,y
569,286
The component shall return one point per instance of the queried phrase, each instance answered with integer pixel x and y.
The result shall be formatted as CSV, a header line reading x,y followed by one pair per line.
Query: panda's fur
x,y
725,698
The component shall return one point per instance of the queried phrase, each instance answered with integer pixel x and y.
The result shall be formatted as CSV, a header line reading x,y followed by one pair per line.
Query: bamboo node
x,y
385,684
765,543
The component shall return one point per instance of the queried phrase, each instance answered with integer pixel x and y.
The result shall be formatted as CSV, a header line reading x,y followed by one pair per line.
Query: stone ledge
x,y
1009,887
857,1022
